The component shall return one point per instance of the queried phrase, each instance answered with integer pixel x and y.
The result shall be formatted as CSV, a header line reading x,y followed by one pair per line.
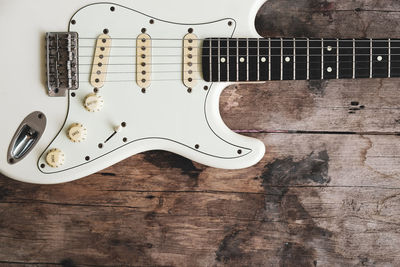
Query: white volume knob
x,y
93,103
77,133
55,158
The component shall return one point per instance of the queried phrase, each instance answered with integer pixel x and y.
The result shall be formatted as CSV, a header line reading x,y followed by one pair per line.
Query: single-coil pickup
x,y
100,61
190,60
143,60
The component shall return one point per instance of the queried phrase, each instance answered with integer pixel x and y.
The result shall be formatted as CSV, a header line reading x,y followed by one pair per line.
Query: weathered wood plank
x,y
308,206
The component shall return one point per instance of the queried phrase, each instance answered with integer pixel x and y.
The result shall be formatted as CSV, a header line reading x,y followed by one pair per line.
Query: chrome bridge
x,y
62,62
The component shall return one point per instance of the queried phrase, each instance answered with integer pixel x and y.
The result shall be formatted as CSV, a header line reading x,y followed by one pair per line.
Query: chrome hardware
x,y
62,62
26,136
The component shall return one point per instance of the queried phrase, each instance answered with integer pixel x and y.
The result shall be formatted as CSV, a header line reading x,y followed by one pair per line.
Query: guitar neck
x,y
241,60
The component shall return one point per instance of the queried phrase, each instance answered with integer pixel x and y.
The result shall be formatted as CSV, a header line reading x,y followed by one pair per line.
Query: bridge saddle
x,y
62,62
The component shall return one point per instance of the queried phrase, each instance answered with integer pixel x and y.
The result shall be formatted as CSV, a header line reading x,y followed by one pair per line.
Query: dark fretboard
x,y
299,59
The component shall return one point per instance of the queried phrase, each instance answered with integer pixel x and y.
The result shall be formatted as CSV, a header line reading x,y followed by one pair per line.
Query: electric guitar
x,y
86,84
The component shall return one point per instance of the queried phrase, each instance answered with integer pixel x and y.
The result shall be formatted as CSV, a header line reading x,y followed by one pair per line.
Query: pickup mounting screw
x,y
205,87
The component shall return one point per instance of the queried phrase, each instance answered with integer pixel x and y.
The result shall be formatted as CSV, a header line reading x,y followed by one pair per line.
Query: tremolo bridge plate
x,y
62,62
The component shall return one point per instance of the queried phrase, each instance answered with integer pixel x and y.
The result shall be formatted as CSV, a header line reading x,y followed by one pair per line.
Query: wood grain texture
x,y
327,192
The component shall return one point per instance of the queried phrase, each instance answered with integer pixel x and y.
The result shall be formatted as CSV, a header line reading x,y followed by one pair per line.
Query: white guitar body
x,y
165,117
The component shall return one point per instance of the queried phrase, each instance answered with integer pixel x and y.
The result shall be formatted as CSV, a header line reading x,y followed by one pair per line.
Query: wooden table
x,y
326,194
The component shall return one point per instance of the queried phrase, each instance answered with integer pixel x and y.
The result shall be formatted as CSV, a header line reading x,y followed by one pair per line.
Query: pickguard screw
x,y
143,90
112,9
87,158
230,23
239,151
197,146
105,31
152,21
73,22
143,30
190,30
189,90
206,88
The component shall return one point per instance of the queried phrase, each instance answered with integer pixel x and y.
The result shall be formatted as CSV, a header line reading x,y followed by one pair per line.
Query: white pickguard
x,y
166,117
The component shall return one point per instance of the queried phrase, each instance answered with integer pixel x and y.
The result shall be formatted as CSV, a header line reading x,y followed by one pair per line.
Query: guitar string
x,y
236,47
232,56
273,39
242,63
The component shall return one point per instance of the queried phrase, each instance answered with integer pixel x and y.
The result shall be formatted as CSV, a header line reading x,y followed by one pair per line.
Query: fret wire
x,y
247,63
237,59
337,58
228,58
370,58
354,58
389,59
210,59
294,58
219,59
258,59
281,59
308,58
269,58
322,59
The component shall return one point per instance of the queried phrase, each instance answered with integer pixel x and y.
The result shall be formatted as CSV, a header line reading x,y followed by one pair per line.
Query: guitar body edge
x,y
23,94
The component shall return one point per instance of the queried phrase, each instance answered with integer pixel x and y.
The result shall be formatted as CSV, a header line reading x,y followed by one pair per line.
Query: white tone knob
x,y
77,133
55,158
93,103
